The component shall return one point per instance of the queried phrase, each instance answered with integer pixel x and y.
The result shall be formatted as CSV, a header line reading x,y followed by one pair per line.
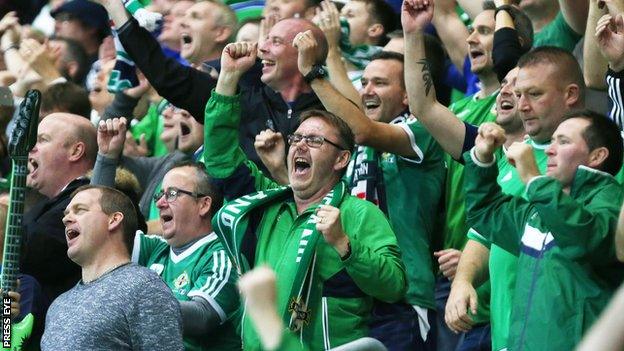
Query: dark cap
x,y
91,14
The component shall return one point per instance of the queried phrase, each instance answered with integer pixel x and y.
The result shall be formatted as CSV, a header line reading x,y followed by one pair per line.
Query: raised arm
x,y
16,64
507,45
594,63
382,136
500,217
452,31
183,86
225,160
111,135
258,288
271,149
443,125
472,8
222,152
330,25
575,14
610,40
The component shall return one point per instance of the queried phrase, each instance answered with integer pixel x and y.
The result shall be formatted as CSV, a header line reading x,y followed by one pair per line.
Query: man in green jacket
x,y
332,253
562,231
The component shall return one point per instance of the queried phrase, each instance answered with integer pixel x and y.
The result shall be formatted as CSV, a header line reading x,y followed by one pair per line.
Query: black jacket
x,y
44,247
190,89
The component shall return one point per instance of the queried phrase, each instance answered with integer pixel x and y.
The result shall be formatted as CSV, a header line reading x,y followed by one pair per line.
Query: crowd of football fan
x,y
301,175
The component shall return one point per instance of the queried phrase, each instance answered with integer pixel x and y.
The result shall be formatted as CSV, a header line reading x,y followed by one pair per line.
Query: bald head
x,y
80,130
295,26
65,150
279,56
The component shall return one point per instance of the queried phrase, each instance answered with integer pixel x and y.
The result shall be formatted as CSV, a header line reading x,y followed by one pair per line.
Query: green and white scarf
x,y
231,225
365,176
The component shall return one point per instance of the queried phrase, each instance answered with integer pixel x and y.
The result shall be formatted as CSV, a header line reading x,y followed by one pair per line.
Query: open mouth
x,y
166,218
506,105
474,54
268,63
71,233
32,165
186,38
185,129
371,104
301,165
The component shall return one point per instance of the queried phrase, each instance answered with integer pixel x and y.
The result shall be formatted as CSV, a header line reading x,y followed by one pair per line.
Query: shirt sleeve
x,y
183,86
154,318
557,33
581,229
615,90
420,140
506,52
476,236
225,160
375,263
217,285
469,138
144,246
498,216
104,171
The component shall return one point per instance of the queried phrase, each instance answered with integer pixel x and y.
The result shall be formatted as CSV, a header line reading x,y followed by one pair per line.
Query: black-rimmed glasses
x,y
313,141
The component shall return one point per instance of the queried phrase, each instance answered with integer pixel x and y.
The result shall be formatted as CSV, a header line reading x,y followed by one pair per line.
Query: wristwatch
x,y
317,71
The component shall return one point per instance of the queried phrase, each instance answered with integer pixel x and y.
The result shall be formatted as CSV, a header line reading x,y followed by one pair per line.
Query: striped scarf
x,y
365,176
231,225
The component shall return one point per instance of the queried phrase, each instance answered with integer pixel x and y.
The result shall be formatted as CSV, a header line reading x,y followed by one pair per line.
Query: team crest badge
x,y
387,157
181,280
300,314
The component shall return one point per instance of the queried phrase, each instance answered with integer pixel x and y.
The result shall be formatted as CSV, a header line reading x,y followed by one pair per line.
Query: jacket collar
x,y
302,102
587,177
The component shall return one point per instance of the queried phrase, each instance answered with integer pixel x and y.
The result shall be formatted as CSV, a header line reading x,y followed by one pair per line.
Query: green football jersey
x,y
412,191
504,265
152,126
203,270
473,111
557,33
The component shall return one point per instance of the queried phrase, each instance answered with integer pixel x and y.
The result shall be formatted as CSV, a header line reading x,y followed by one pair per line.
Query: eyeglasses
x,y
171,194
313,141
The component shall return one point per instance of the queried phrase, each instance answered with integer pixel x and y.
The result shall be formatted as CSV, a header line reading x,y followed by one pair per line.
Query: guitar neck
x,y
13,231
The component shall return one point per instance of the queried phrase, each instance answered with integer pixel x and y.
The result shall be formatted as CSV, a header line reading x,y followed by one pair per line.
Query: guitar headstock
x,y
24,134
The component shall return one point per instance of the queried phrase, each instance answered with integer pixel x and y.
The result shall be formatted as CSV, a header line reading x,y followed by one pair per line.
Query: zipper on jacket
x,y
532,291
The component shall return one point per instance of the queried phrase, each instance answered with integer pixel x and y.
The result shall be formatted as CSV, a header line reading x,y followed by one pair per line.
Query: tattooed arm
x,y
443,125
